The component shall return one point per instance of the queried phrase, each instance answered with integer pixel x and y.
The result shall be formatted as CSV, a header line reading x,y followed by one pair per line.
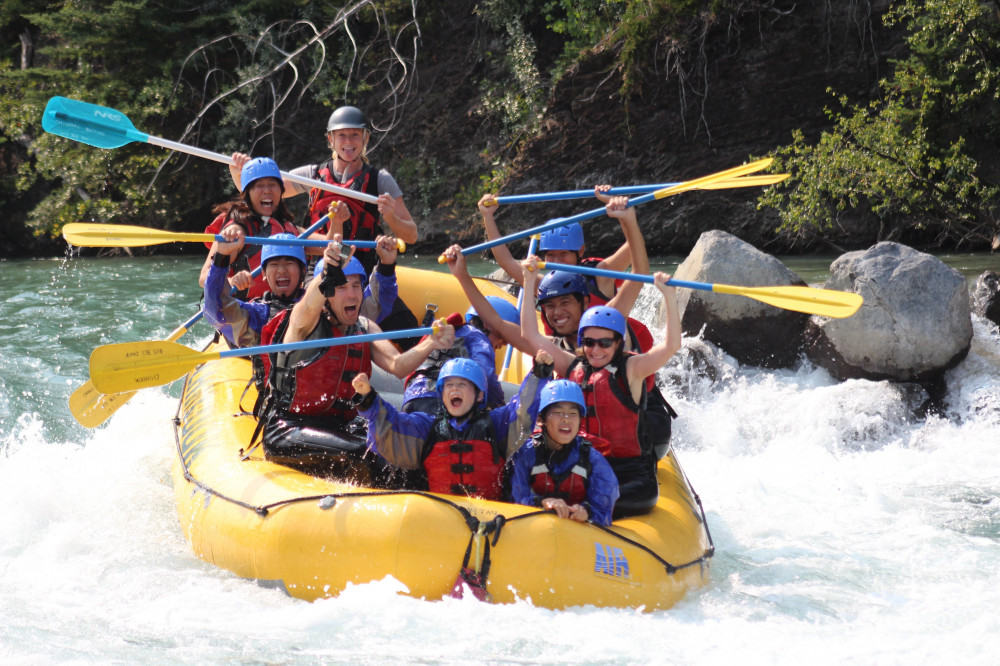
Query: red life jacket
x,y
363,224
570,486
612,414
364,215
639,336
464,463
249,257
319,385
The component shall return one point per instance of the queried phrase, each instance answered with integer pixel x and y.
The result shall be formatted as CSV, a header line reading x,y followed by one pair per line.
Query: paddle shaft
x,y
183,328
553,224
232,292
728,174
620,275
298,180
632,190
824,302
324,342
135,365
91,118
91,408
578,194
301,242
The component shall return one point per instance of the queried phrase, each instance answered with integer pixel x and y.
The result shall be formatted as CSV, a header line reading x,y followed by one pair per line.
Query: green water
x,y
56,311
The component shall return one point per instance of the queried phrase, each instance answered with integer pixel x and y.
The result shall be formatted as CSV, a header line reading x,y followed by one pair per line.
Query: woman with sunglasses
x,y
614,387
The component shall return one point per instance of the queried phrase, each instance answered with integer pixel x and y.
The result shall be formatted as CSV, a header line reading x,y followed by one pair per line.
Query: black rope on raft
x,y
493,526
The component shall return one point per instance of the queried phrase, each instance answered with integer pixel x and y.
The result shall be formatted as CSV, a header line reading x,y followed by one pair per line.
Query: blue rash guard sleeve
x,y
238,322
396,436
602,493
515,421
380,293
482,352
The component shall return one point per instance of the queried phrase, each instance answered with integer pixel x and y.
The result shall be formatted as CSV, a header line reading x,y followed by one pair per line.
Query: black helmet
x,y
347,117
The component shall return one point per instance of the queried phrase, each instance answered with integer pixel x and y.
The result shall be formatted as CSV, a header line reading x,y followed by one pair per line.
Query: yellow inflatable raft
x,y
313,537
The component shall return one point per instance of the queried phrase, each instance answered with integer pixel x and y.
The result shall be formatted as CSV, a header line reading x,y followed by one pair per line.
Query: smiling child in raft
x,y
464,447
559,470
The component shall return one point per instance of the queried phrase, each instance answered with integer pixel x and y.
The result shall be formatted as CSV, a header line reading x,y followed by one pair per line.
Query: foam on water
x,y
846,529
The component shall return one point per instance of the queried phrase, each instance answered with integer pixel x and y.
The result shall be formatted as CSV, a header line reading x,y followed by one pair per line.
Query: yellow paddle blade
x,y
91,408
746,181
134,365
83,234
823,302
704,181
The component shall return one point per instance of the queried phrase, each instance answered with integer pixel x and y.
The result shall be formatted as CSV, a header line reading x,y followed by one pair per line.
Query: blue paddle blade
x,y
93,125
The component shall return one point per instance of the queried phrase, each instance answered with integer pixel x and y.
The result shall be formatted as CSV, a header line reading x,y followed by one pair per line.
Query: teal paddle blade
x,y
93,125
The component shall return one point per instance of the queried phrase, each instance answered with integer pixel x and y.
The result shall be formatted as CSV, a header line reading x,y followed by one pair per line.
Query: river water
x,y
846,530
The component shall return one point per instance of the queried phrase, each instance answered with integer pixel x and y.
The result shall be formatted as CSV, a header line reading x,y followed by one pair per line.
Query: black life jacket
x,y
275,305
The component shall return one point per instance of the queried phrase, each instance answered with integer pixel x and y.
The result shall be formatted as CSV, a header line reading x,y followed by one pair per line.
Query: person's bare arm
x,y
398,218
306,313
529,321
619,261
338,212
236,169
642,365
386,356
506,260
510,332
235,234
627,296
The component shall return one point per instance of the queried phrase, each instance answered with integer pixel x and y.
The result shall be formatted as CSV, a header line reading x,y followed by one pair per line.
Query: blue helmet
x,y
506,310
569,237
353,267
562,390
603,317
257,168
292,251
559,283
465,368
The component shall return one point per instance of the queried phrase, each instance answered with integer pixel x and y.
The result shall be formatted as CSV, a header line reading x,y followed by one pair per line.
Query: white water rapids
x,y
846,530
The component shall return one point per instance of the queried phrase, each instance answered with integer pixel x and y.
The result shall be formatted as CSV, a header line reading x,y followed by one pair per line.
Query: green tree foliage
x,y
221,74
919,160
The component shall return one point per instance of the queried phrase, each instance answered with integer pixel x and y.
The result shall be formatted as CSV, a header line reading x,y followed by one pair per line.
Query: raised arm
x,y
641,366
626,297
529,320
387,357
487,208
236,169
306,313
511,333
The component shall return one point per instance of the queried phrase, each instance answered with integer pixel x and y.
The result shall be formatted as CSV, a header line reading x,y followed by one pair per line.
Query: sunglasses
x,y
603,343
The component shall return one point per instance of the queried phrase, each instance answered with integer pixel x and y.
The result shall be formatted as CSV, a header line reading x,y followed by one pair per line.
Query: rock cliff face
x,y
757,80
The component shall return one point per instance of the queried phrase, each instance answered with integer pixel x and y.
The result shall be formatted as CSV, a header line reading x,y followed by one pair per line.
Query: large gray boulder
x,y
752,332
915,322
986,297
